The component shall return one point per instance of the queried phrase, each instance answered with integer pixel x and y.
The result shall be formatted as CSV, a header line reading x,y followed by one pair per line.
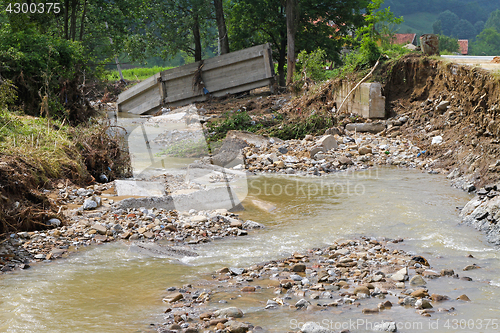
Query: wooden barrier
x,y
230,73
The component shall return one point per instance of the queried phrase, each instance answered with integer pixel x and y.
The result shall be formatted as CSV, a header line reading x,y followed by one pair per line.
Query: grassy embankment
x,y
34,152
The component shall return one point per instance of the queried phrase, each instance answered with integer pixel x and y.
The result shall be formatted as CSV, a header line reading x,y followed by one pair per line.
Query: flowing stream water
x,y
108,289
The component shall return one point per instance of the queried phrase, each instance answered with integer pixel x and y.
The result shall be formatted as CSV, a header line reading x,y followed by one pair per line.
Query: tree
x,y
221,26
292,18
436,28
448,44
448,22
320,24
256,22
170,26
479,26
493,21
464,30
487,43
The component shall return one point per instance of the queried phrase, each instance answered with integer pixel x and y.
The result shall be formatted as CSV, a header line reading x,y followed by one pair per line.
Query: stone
x,y
442,106
361,290
471,267
173,298
439,298
237,327
249,224
236,271
248,289
100,228
298,268
423,304
279,164
89,204
343,160
233,312
447,272
420,293
302,303
430,274
315,150
463,298
370,311
364,150
223,270
230,153
327,142
234,223
312,327
53,222
148,234
417,280
400,275
206,315
437,140
334,131
199,219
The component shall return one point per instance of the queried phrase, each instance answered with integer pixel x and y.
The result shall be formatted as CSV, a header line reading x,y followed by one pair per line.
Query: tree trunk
x,y
281,63
74,4
291,29
197,38
66,11
221,26
82,24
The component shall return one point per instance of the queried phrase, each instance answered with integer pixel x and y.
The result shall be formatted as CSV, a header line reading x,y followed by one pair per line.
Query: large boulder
x,y
230,153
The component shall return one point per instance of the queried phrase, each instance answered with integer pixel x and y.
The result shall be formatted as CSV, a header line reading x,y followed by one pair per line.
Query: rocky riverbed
x,y
362,276
98,221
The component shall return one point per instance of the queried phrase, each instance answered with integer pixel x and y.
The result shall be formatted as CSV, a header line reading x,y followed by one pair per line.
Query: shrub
x,y
310,66
47,72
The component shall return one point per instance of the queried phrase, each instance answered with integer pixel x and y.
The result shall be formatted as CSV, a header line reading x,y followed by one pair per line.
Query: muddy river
x,y
109,289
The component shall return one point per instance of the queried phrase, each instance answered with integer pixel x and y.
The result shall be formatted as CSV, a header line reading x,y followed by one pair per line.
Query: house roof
x,y
404,39
463,46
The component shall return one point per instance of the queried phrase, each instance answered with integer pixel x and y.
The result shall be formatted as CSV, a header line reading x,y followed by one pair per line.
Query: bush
x,y
310,66
47,72
448,44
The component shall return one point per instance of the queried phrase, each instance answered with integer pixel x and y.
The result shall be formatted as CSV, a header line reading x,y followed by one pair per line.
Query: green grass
x,y
418,22
44,144
135,74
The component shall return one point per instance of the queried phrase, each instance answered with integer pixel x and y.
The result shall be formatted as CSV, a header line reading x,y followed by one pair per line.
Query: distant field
x,y
418,22
134,74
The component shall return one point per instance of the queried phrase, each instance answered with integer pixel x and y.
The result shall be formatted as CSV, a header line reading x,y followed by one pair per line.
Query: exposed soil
x,y
469,125
24,203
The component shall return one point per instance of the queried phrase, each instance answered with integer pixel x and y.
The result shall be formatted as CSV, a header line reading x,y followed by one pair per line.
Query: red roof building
x,y
463,46
404,39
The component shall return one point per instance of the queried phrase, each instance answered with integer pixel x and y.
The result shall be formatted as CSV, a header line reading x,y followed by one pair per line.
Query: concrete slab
x,y
139,188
